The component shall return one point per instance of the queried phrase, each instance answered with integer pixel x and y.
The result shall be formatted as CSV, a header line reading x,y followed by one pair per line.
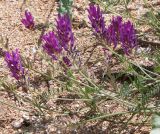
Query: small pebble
x,y
26,116
17,123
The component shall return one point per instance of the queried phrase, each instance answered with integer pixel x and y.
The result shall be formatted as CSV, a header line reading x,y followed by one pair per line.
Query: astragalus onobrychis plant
x,y
132,87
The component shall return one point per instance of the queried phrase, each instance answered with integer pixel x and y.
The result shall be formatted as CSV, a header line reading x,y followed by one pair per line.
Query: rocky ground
x,y
13,118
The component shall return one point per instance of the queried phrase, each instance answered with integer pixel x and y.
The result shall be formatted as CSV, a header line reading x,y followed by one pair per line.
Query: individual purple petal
x,y
64,32
28,21
51,45
14,64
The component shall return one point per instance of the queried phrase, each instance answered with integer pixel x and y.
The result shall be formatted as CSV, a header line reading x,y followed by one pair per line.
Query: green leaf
x,y
70,74
89,90
157,69
65,7
62,10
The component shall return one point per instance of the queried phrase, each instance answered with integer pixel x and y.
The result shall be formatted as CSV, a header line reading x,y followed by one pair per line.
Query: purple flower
x,y
123,33
51,45
67,61
96,19
14,64
113,31
64,32
28,21
128,37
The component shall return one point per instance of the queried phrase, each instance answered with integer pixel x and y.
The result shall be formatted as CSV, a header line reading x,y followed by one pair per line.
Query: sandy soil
x,y
14,35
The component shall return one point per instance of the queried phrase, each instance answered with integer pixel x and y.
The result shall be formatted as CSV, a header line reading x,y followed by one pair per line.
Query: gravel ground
x,y
14,35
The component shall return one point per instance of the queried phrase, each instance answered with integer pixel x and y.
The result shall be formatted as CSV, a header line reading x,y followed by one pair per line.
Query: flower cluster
x,y
64,32
51,45
96,19
122,33
128,37
28,21
113,31
54,44
14,64
118,32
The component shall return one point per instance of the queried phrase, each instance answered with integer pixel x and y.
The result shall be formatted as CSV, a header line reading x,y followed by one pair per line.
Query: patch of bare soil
x,y
7,114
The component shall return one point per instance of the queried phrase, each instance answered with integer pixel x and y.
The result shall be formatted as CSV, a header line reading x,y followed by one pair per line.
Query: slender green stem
x,y
78,81
108,115
89,80
66,99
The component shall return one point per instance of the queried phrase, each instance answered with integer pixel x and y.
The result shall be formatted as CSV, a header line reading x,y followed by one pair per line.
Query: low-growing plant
x,y
131,88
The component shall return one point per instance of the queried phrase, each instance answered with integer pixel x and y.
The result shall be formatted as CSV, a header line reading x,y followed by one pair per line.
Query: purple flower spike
x,y
122,33
67,61
14,64
113,31
64,32
128,37
51,45
96,19
28,21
